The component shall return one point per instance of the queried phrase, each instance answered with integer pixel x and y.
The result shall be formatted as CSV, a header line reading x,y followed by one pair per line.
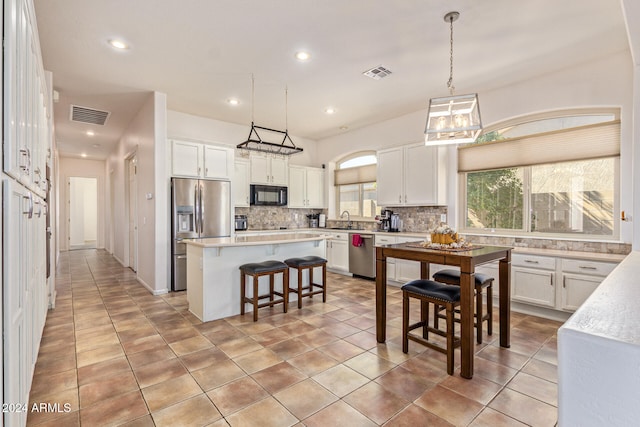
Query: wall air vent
x,y
377,73
88,115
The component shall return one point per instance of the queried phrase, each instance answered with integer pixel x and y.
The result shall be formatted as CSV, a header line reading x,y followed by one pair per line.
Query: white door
x,y
82,212
133,213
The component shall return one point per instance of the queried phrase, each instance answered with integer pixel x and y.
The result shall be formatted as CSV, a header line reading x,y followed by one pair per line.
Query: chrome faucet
x,y
348,218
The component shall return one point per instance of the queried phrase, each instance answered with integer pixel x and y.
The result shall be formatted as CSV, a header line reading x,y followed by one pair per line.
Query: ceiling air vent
x,y
377,73
88,115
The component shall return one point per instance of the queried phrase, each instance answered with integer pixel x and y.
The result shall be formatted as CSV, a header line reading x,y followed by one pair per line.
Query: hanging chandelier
x,y
255,142
454,119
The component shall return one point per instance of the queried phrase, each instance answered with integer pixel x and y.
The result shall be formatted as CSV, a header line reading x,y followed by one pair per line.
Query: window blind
x,y
355,175
580,143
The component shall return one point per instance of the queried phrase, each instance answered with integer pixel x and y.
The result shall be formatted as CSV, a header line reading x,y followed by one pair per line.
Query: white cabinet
x,y
412,175
385,239
338,252
579,279
197,160
407,270
534,279
269,169
306,187
241,190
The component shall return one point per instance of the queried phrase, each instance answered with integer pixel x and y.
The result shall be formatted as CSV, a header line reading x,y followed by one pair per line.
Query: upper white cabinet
x,y
241,193
412,175
26,100
268,169
197,160
306,187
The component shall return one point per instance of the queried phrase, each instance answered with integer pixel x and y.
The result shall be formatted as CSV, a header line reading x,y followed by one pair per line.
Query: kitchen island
x,y
213,277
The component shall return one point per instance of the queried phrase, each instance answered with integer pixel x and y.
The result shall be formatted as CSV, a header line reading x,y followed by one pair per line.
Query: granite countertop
x,y
269,239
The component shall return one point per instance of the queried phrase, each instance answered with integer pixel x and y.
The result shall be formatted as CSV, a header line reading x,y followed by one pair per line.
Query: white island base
x,y
213,277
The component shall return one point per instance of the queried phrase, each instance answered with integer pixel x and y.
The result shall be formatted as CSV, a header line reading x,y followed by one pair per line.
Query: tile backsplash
x,y
276,217
419,219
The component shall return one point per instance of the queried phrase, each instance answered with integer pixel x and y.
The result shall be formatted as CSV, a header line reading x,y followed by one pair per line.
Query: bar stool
x,y
309,263
430,292
482,281
266,268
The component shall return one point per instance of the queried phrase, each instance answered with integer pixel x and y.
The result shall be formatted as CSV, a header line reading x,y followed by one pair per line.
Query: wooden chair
x,y
309,263
256,270
438,294
452,277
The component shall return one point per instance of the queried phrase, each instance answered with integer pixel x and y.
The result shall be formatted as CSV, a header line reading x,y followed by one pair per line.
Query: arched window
x,y
549,176
356,189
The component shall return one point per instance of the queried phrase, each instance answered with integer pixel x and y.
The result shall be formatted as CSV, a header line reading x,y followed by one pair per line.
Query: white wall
x,y
604,83
144,136
186,126
70,167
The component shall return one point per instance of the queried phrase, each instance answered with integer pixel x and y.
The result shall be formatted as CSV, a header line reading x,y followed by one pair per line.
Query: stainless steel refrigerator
x,y
199,208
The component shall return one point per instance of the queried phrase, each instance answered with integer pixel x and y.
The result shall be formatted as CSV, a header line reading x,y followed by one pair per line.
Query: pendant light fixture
x,y
255,142
453,119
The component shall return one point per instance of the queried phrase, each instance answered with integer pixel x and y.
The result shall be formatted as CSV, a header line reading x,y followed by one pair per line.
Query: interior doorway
x,y
82,212
132,189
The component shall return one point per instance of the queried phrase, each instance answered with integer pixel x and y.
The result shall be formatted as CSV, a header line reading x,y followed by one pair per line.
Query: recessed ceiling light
x,y
96,145
344,127
83,155
303,56
118,44
90,133
329,110
233,101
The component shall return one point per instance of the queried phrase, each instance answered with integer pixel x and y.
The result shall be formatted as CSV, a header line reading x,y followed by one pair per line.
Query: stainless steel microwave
x,y
268,195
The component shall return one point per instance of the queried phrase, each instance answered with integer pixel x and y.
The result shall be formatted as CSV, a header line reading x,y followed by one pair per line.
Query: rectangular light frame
x,y
453,120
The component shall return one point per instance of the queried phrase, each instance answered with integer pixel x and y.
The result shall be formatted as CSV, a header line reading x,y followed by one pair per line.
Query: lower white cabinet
x,y
579,279
407,270
338,252
533,279
385,239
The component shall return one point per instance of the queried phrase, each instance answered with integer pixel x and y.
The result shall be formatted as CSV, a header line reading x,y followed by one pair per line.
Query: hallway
x,y
118,355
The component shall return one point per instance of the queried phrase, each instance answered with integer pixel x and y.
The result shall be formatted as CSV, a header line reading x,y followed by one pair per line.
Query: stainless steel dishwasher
x,y
362,259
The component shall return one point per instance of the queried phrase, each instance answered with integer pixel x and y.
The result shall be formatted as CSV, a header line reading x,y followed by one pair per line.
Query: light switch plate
x,y
443,217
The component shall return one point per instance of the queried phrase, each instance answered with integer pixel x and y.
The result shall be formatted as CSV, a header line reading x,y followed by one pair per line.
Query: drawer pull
x,y
531,261
587,267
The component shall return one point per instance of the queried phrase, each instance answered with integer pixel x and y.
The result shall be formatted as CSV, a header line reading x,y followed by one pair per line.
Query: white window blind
x,y
355,175
580,143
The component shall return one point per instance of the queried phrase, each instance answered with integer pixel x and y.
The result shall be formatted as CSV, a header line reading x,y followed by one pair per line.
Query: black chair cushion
x,y
262,267
449,276
305,261
433,289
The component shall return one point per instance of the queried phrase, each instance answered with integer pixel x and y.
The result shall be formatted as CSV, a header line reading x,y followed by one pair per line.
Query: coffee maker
x,y
394,223
385,219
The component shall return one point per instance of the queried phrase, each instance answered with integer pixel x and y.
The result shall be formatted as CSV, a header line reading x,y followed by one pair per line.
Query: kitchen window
x,y
356,189
558,182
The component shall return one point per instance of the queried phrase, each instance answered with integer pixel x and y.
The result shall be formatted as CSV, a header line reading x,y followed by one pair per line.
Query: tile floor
x,y
120,356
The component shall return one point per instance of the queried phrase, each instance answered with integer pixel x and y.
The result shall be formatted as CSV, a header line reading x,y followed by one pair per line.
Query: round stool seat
x,y
305,261
262,267
433,289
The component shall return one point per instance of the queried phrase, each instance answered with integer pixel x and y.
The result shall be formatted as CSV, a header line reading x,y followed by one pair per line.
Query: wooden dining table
x,y
466,260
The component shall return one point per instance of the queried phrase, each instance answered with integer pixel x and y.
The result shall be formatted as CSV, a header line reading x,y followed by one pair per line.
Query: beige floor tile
x,y
305,398
114,411
167,393
257,360
265,413
524,408
278,377
441,402
218,374
340,380
338,414
237,395
196,411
